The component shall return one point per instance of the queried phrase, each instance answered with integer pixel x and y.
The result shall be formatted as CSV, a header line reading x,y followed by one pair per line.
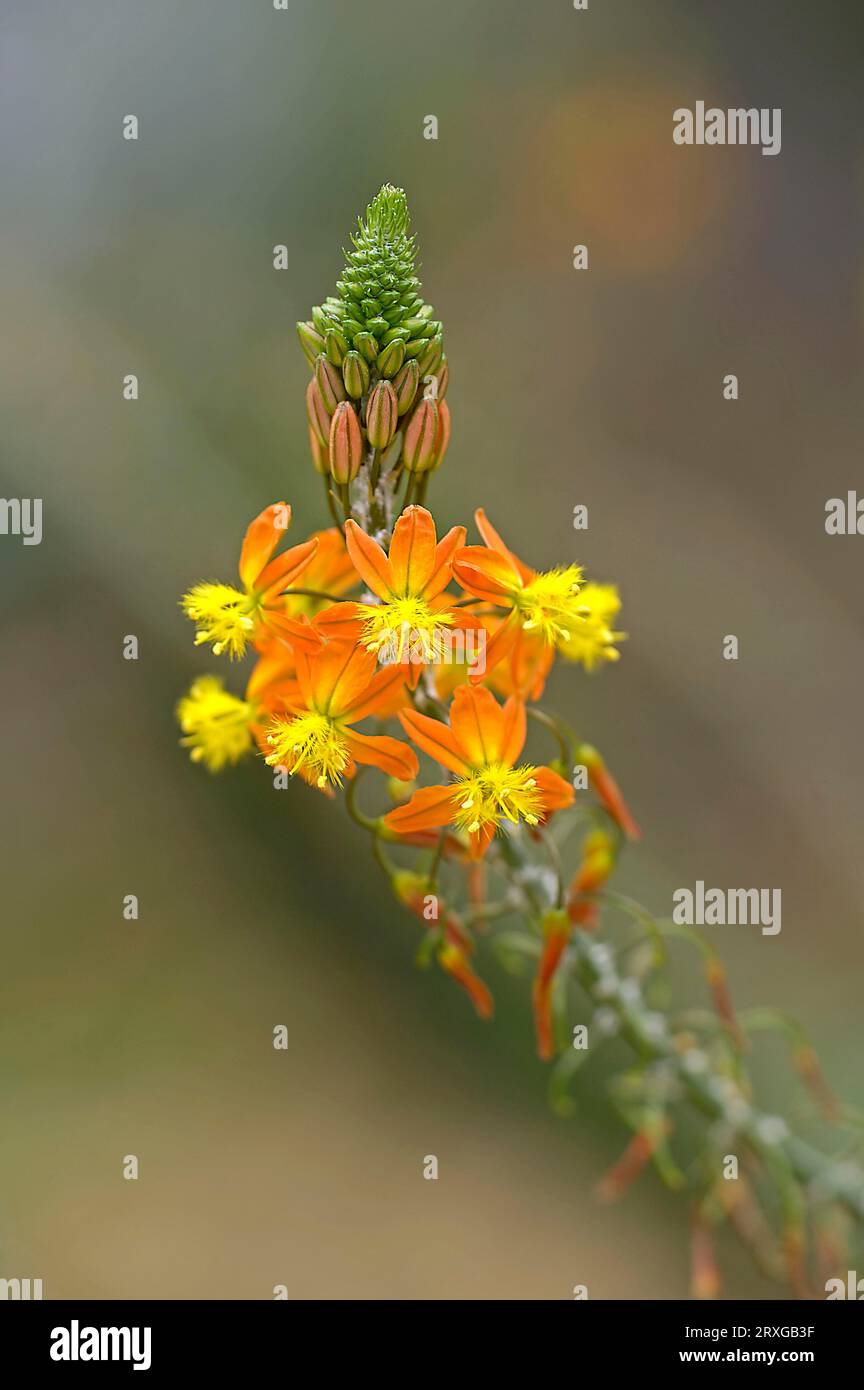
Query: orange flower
x,y
229,618
337,688
413,620
549,611
330,570
480,746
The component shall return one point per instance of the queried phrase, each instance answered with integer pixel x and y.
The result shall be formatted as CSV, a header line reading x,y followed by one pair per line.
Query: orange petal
x,y
261,539
331,569
514,727
389,754
412,550
287,567
556,792
480,841
475,718
378,695
428,807
341,622
295,631
369,560
442,569
338,675
486,574
494,541
436,739
498,647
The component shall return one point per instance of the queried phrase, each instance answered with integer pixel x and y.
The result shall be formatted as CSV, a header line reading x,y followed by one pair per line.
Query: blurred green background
x,y
257,908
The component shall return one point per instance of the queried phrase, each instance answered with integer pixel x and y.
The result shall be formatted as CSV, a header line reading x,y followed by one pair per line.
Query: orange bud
x,y
608,791
704,1271
405,384
381,415
556,934
631,1163
442,438
421,432
598,862
329,380
319,453
346,444
453,959
316,411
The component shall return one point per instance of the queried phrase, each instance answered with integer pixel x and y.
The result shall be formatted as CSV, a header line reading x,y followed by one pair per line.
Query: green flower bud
x,y
365,343
415,347
381,415
390,358
394,335
345,444
329,381
316,412
418,445
405,384
443,378
355,374
336,346
311,341
428,361
321,321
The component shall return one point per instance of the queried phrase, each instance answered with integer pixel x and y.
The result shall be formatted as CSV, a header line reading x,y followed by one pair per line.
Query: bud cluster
x,y
379,373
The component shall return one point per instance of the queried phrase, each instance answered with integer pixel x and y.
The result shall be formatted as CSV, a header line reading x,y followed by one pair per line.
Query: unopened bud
x,y
336,346
311,341
421,432
405,384
442,439
346,444
319,452
381,415
329,381
428,360
443,378
355,374
390,358
366,344
316,411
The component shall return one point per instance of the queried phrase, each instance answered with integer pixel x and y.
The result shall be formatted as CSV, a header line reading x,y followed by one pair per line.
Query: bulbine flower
x,y
229,618
378,430
216,725
546,605
414,615
336,689
481,747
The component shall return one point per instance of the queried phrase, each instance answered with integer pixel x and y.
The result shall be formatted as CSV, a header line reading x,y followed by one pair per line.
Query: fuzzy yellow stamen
x,y
495,793
216,724
404,628
223,616
592,639
550,604
311,744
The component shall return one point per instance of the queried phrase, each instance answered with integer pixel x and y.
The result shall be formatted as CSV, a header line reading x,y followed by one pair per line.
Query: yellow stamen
x,y
310,744
495,793
223,616
404,629
551,604
593,637
216,724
